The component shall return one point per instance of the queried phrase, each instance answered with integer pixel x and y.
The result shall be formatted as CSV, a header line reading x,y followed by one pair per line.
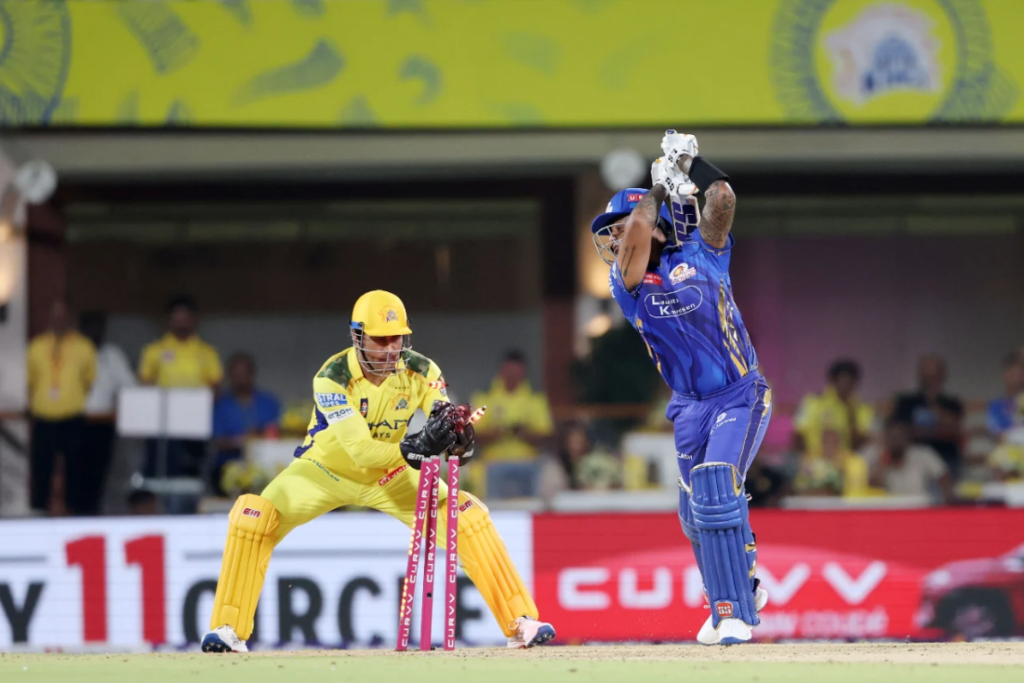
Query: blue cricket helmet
x,y
620,206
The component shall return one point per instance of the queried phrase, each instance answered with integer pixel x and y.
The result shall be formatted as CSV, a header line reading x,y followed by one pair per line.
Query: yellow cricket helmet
x,y
380,314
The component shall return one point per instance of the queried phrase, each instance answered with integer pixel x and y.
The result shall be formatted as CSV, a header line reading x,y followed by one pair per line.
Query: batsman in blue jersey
x,y
670,276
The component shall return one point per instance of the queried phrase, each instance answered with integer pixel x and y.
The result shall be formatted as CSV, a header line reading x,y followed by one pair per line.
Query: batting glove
x,y
675,145
671,178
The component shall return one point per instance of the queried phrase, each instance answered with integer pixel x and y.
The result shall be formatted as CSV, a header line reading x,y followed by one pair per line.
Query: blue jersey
x,y
685,312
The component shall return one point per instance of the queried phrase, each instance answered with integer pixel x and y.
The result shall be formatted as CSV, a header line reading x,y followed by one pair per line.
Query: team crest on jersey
x,y
887,48
681,272
364,406
402,402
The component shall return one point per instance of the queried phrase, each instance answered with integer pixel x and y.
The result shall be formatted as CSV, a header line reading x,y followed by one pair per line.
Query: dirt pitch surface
x,y
820,663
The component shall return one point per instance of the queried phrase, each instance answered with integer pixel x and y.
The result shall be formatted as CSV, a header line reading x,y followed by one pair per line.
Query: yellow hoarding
x,y
509,63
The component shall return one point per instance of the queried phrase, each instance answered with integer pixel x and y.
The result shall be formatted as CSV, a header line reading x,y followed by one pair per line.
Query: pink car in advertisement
x,y
981,598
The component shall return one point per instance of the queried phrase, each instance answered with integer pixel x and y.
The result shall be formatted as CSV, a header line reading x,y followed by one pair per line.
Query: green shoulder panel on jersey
x,y
417,362
337,370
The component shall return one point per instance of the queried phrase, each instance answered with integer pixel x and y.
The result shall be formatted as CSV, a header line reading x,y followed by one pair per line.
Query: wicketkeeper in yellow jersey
x,y
365,397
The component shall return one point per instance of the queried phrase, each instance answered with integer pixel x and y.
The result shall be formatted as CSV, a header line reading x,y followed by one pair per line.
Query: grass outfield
x,y
820,663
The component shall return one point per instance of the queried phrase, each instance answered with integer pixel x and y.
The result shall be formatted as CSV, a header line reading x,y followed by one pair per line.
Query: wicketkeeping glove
x,y
465,442
436,437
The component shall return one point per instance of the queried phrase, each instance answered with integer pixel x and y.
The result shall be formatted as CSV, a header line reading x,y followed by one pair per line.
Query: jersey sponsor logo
x,y
392,424
652,279
724,609
684,456
391,475
364,406
249,512
681,272
722,420
331,400
339,415
674,304
326,471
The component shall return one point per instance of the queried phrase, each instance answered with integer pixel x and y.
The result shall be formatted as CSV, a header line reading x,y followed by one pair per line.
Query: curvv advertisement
x,y
923,574
134,581
139,582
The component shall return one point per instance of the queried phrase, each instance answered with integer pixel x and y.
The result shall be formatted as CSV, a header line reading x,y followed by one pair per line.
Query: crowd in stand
x,y
921,444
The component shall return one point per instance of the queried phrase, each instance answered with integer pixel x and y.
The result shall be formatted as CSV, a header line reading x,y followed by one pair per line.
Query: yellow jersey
x,y
523,407
356,426
819,413
172,363
60,374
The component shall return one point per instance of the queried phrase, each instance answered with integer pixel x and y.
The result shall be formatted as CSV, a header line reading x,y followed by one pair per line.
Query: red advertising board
x,y
844,574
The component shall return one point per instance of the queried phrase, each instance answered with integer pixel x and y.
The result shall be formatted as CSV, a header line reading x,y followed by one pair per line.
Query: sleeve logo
x,y
331,400
339,415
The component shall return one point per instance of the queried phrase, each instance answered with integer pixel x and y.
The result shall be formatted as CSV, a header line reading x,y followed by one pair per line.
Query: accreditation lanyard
x,y
56,360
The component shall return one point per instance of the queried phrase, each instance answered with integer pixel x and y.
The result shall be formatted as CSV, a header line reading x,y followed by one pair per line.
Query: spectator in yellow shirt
x,y
518,419
836,408
61,370
179,360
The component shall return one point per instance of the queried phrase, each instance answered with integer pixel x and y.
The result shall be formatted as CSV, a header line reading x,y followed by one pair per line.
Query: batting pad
x,y
488,564
690,529
252,529
727,544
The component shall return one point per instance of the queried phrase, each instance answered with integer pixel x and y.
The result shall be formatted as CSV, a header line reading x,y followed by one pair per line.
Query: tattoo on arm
x,y
627,258
651,204
719,209
646,212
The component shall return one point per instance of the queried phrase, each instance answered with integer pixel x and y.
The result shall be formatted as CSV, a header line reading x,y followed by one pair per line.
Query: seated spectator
x,y
243,411
765,485
935,418
180,359
908,469
518,420
837,471
141,502
587,468
836,408
1006,422
1007,412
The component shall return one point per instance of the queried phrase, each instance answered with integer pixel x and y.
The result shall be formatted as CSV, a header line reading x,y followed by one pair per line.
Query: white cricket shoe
x,y
223,639
733,632
708,635
530,632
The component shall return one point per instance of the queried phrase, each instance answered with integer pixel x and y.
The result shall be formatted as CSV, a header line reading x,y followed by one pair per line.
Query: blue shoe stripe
x,y
544,634
213,643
